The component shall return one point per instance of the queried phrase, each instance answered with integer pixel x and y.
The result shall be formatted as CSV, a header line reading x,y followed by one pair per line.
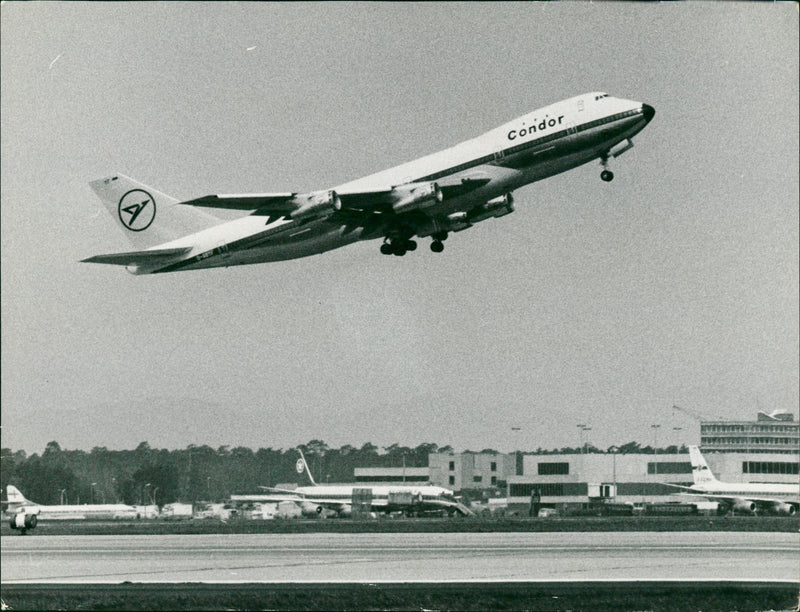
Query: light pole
x,y
614,450
517,457
94,484
208,487
146,491
655,427
584,428
63,491
677,431
154,495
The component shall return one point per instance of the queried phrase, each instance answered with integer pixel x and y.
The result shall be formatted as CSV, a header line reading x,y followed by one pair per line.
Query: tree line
x,y
147,475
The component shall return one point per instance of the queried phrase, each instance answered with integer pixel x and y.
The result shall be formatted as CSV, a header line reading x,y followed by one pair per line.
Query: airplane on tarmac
x,y
315,499
26,514
749,497
432,196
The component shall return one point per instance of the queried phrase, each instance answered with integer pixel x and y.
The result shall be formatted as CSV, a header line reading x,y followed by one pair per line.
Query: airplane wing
x,y
277,204
448,505
397,198
138,258
273,203
730,499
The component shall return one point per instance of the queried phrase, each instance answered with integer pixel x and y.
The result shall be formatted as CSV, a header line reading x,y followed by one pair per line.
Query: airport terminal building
x,y
765,450
455,471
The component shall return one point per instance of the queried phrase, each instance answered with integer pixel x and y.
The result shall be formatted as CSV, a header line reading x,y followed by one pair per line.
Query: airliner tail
x,y
302,468
700,472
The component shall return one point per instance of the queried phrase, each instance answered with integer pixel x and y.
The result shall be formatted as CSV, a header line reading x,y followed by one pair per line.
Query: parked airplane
x,y
26,514
432,196
749,497
316,499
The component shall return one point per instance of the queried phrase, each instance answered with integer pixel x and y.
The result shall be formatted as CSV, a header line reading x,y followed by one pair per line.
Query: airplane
x,y
316,499
26,514
749,497
432,196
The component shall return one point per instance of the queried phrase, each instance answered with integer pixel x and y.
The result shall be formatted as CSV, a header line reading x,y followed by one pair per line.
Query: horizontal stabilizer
x,y
139,258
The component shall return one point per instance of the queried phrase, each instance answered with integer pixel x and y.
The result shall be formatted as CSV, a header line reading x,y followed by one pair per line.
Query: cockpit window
x,y
600,97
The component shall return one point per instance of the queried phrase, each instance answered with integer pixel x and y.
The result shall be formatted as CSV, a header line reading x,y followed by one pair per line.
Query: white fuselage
x,y
345,492
76,512
785,492
535,146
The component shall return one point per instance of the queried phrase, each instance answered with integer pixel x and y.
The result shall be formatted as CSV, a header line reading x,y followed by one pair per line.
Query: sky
x,y
595,304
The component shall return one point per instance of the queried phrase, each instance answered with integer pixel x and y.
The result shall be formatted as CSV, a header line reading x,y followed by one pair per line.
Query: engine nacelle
x,y
415,196
317,204
782,508
23,521
496,207
458,221
742,505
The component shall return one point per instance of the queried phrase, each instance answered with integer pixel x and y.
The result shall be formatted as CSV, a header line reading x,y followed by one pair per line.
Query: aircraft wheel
x,y
386,248
439,236
399,250
607,175
437,246
411,245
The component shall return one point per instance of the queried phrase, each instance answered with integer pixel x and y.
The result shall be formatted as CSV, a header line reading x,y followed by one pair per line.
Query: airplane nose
x,y
648,112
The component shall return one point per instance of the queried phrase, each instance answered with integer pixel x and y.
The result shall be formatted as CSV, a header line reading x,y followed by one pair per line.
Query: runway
x,y
395,557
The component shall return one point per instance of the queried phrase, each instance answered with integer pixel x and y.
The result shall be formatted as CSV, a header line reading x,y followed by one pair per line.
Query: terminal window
x,y
494,466
669,467
452,466
548,469
769,467
548,489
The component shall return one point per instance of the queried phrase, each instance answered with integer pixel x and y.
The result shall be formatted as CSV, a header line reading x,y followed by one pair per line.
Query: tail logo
x,y
137,210
300,466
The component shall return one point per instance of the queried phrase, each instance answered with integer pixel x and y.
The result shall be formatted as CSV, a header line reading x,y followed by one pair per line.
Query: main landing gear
x,y
398,247
401,246
606,174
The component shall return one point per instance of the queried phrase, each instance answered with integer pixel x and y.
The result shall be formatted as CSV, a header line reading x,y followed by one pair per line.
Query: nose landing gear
x,y
606,174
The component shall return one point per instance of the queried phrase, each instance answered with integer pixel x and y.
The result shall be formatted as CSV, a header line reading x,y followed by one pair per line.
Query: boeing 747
x,y
433,196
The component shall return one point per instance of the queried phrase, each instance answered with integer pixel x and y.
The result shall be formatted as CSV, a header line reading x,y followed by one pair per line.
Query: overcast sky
x,y
594,303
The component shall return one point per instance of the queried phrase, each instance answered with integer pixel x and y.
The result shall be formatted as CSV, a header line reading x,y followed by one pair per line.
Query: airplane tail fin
x,y
14,496
302,468
700,472
146,216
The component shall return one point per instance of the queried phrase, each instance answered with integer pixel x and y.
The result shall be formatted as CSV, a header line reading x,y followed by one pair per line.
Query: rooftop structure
x,y
777,432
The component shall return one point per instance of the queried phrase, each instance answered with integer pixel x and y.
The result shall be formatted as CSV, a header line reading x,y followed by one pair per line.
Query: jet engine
x,y
782,508
415,196
496,207
317,204
743,505
23,521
